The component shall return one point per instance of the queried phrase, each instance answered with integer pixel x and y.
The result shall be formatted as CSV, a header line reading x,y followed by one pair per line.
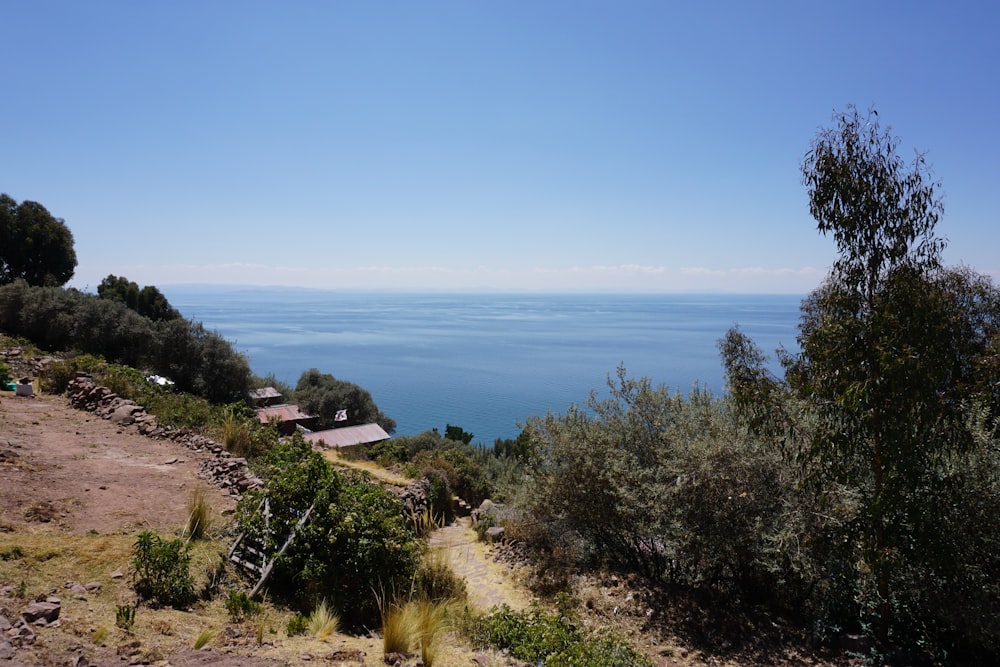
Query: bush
x,y
550,638
297,625
436,581
240,607
68,320
356,539
161,570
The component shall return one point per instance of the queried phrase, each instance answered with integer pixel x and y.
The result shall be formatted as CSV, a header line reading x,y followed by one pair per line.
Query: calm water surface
x,y
484,361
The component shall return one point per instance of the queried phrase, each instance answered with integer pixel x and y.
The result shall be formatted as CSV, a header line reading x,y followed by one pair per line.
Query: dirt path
x,y
488,583
73,471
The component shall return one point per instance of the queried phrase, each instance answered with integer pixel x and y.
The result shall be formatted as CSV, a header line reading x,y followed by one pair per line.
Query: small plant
x,y
203,638
397,627
425,522
235,433
99,635
435,580
161,570
125,617
13,552
297,625
241,607
198,514
22,589
259,635
323,622
430,620
538,635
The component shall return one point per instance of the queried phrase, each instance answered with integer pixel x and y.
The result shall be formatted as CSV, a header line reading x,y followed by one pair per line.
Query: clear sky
x,y
623,145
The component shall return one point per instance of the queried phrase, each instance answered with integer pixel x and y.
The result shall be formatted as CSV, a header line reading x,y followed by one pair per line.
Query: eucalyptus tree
x,y
882,363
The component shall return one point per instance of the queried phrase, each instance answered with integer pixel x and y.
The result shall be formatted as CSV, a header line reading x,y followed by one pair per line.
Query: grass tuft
x,y
198,514
203,638
323,622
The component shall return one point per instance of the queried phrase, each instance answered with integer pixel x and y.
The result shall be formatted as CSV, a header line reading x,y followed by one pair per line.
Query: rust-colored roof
x,y
347,436
284,413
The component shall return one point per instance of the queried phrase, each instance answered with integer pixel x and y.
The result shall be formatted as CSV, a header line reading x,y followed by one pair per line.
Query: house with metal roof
x,y
287,418
347,436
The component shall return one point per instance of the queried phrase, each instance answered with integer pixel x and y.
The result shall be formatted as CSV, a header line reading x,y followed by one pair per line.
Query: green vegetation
x,y
148,301
323,395
125,617
356,539
199,514
550,638
34,246
855,495
323,622
161,570
198,361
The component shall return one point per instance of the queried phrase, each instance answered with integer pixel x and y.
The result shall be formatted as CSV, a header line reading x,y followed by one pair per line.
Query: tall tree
x,y
148,301
338,402
34,245
877,360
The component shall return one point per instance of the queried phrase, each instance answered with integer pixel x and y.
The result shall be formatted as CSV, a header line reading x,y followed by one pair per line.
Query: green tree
x,y
880,363
323,395
147,301
34,245
355,545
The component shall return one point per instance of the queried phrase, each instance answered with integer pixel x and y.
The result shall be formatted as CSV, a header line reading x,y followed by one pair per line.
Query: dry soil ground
x,y
74,491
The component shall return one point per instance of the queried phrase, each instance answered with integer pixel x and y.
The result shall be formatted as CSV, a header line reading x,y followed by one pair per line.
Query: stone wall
x,y
218,466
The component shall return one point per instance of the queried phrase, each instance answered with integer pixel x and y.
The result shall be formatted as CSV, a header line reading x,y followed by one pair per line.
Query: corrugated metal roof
x,y
266,392
285,413
347,436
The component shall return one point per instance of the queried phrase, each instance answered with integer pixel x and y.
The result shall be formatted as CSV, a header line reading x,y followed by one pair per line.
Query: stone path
x,y
488,583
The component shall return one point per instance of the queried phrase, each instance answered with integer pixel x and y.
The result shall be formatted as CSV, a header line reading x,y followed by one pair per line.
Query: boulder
x,y
46,611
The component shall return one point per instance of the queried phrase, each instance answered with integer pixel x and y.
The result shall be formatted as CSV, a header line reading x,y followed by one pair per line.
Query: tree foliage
x,y
147,301
888,405
667,485
323,395
67,320
35,246
355,545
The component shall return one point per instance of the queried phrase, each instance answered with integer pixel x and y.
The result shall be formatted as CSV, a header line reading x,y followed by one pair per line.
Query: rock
x,y
6,651
46,611
495,533
93,586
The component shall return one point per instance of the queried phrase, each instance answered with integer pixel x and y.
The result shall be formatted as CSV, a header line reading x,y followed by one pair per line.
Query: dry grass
x,y
372,468
203,638
323,622
397,627
199,514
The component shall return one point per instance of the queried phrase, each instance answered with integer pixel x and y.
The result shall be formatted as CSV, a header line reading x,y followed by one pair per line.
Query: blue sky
x,y
564,145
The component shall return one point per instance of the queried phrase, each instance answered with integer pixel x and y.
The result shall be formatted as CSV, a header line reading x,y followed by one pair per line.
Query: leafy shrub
x,y
58,374
241,607
297,625
4,373
323,395
356,539
550,638
161,570
68,320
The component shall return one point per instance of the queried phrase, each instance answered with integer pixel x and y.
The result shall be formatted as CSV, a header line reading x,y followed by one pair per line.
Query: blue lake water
x,y
484,361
